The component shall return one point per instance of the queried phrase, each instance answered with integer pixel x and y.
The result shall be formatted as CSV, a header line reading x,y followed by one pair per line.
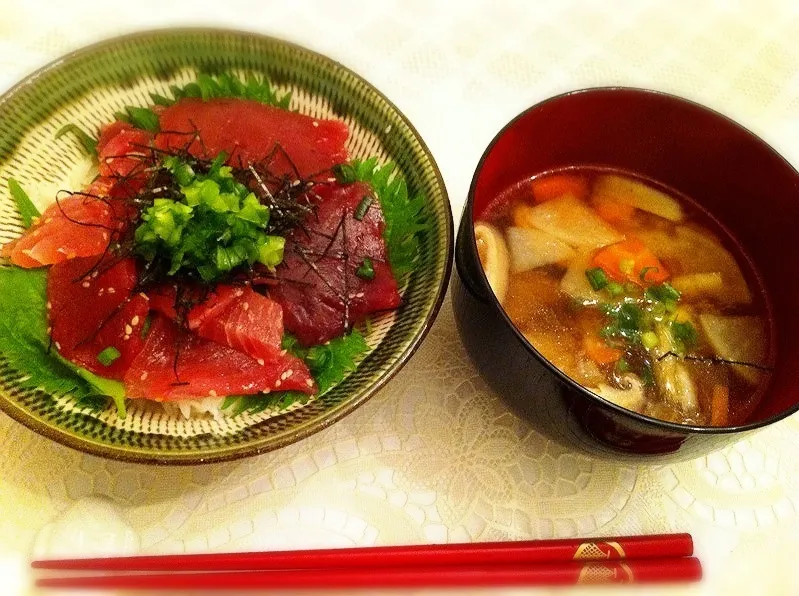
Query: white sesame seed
x,y
49,305
360,295
245,305
261,361
388,129
126,337
128,329
135,320
282,352
95,274
112,291
284,376
277,383
48,220
143,376
331,179
101,292
295,183
85,284
36,232
309,382
212,393
289,372
143,295
267,390
49,330
315,123
58,346
105,235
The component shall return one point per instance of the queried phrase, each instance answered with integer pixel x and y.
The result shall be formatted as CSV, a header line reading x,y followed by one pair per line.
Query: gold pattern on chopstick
x,y
592,551
604,573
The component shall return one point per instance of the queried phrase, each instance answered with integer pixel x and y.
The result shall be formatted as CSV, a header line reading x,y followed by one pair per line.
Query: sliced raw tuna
x,y
176,364
234,316
78,226
251,132
89,314
320,292
82,225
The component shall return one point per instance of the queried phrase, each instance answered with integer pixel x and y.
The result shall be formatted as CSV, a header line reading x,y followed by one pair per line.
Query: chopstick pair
x,y
634,559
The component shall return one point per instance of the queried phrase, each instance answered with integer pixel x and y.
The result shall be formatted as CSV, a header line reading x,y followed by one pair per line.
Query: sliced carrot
x,y
554,186
719,405
613,211
630,260
598,351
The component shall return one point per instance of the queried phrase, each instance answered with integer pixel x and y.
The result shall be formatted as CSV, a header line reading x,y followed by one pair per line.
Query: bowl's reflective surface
x,y
736,176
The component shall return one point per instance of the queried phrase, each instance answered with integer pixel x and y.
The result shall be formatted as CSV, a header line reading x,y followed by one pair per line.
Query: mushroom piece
x,y
631,397
493,253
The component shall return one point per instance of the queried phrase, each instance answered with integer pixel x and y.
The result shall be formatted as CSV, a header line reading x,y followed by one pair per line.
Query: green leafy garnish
x,y
329,364
27,209
226,85
625,322
597,278
404,214
24,340
87,142
108,356
143,118
366,269
216,226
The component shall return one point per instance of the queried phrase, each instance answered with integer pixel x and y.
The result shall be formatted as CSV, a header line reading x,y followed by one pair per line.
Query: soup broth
x,y
633,291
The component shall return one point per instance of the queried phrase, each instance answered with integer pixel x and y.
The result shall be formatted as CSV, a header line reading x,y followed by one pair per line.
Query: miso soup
x,y
633,291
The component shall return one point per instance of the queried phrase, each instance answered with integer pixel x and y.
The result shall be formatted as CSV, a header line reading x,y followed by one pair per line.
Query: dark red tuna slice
x,y
91,314
320,291
176,364
251,132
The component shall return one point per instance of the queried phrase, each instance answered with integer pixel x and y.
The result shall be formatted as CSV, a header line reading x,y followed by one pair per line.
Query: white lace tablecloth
x,y
435,457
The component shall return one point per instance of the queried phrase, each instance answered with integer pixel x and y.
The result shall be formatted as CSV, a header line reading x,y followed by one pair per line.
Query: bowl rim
x,y
468,219
306,428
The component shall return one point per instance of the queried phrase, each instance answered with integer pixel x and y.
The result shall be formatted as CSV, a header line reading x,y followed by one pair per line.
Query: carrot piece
x,y
630,260
598,351
554,186
719,405
613,211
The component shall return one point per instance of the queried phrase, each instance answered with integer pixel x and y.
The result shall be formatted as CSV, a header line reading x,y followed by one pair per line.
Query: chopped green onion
x,y
614,289
649,339
622,366
345,173
143,118
27,209
145,328
108,356
684,334
318,357
645,270
597,278
366,270
363,207
664,292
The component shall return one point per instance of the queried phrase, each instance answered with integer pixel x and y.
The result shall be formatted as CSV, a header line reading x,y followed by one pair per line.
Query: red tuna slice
x,y
89,314
78,226
234,316
320,293
124,156
176,364
251,132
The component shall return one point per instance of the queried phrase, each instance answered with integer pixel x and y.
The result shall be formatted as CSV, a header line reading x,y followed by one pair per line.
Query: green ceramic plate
x,y
86,88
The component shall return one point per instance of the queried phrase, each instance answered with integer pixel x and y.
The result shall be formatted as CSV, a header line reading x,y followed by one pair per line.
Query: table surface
x,y
435,457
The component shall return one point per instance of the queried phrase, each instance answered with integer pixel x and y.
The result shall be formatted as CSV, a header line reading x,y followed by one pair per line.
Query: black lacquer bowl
x,y
733,174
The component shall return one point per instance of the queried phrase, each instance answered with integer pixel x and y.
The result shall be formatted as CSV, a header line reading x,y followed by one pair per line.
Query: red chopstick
x,y
550,574
430,555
